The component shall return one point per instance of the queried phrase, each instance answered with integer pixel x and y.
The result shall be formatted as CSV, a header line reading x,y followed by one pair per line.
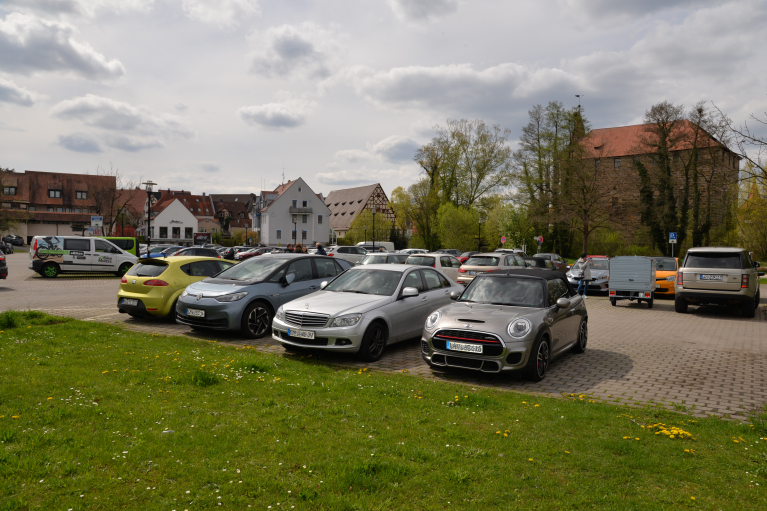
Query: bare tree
x,y
751,146
106,196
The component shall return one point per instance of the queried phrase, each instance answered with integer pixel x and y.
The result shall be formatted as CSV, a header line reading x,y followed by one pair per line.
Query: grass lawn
x,y
96,417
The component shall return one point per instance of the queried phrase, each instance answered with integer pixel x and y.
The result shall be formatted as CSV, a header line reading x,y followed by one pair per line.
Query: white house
x,y
172,222
292,206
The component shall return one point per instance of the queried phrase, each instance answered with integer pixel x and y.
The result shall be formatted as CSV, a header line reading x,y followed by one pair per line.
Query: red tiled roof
x,y
134,200
191,202
631,140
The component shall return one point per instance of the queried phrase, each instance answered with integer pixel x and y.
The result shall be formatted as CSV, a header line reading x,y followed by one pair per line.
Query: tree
x,y
9,218
751,146
458,227
361,228
105,194
752,212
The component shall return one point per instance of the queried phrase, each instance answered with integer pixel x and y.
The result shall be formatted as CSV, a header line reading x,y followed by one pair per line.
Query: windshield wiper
x,y
355,291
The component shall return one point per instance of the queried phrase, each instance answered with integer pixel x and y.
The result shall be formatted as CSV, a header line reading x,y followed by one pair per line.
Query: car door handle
x,y
313,287
424,299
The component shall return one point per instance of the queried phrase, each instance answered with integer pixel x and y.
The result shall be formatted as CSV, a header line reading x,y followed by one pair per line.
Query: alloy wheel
x,y
50,271
584,337
543,359
376,345
258,321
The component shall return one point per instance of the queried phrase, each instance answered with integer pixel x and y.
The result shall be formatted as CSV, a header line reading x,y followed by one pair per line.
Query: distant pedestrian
x,y
289,248
298,249
585,269
320,250
304,250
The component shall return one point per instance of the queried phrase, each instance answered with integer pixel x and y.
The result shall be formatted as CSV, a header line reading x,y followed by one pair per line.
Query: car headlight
x,y
671,278
184,293
520,327
233,297
280,314
433,319
348,320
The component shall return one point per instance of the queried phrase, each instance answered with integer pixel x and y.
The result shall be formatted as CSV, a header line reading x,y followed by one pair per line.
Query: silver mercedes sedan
x,y
515,320
364,309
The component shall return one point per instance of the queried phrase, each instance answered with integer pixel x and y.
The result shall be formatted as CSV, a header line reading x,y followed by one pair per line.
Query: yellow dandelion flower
x,y
693,498
104,372
497,432
636,439
536,406
568,452
524,402
530,459
14,416
506,435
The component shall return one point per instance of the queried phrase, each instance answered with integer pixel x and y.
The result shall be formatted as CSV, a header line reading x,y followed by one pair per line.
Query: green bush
x,y
11,319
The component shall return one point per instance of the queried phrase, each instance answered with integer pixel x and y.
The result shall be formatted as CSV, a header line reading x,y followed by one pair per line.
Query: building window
x,y
59,210
279,234
23,206
676,156
617,163
176,232
202,229
81,195
50,208
699,155
596,163
7,205
9,190
295,203
163,232
295,219
319,219
67,210
304,203
188,232
54,194
32,208
77,210
303,219
303,235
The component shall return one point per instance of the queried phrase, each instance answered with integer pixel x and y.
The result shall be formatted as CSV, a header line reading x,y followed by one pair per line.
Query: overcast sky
x,y
219,95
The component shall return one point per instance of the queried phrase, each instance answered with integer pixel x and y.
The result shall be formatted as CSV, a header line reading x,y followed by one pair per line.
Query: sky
x,y
226,96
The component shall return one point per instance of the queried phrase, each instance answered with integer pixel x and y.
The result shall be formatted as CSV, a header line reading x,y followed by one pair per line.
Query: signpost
x,y
672,240
503,241
97,221
539,239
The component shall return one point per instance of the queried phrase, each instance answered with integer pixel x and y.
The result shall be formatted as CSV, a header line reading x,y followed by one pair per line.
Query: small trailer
x,y
632,278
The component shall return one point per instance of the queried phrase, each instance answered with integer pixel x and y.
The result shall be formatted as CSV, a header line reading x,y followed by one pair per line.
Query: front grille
x,y
202,322
514,358
306,319
468,363
491,346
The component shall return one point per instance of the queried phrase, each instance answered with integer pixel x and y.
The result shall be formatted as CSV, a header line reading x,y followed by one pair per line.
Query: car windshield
x,y
664,263
148,269
482,261
523,292
367,282
420,260
596,264
253,269
374,259
721,260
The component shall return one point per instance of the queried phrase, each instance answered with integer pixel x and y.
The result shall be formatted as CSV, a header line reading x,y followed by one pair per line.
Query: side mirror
x,y
409,291
324,284
757,264
454,295
563,303
761,273
289,278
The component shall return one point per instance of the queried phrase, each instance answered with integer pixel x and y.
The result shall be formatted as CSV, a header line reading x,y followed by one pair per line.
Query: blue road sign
x,y
672,237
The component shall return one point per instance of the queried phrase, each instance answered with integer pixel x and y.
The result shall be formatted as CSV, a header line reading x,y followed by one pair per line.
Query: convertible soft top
x,y
533,272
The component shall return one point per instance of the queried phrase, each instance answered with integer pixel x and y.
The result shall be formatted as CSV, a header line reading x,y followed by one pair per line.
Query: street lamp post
x,y
479,237
149,186
373,210
366,235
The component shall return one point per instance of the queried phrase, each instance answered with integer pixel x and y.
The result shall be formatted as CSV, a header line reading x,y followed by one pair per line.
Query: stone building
x,y
346,205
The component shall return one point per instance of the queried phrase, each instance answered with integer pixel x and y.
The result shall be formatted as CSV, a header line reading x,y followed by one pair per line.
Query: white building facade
x,y
174,224
293,207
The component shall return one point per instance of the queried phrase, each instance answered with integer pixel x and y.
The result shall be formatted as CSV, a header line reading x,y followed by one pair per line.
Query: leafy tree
x,y
361,228
458,227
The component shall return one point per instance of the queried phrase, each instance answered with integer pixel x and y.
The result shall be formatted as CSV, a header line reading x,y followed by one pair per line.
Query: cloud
x,y
393,149
79,143
222,13
366,176
29,44
423,10
79,7
609,10
181,107
12,93
305,50
133,144
210,167
286,114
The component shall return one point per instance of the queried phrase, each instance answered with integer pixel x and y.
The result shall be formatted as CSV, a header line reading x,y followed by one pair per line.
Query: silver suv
x,y
718,275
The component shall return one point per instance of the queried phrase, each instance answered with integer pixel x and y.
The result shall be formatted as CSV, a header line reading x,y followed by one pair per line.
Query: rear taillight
x,y
331,255
744,281
156,283
647,295
461,270
612,293
679,279
123,280
35,249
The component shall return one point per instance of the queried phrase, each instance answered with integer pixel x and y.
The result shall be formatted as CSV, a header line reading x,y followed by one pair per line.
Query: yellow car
x,y
665,274
152,286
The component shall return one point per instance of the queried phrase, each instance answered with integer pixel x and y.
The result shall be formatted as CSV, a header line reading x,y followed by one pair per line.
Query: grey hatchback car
x,y
515,320
246,296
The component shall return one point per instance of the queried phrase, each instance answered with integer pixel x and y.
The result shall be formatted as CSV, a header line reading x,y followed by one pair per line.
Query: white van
x,y
368,245
51,255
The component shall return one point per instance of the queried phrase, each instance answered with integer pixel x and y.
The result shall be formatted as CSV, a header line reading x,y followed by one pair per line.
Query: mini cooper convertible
x,y
516,320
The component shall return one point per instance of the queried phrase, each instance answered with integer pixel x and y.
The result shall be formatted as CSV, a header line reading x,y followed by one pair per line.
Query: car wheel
x,y
123,269
748,308
373,343
650,302
680,305
256,320
583,338
538,361
613,301
50,270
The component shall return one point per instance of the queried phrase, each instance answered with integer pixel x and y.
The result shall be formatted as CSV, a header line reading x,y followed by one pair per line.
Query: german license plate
x,y
301,334
712,277
470,348
129,301
197,313
657,286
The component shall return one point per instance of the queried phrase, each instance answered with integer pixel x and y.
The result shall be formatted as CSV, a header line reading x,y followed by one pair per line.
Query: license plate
x,y
471,348
468,272
197,313
712,277
657,286
301,334
129,301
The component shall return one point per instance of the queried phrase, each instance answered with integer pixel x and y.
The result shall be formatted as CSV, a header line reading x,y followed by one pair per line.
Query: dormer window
x,y
54,194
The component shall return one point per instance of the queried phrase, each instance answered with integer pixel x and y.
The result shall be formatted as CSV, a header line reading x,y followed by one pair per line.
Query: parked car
x,y
719,276
152,286
411,251
447,264
6,248
14,239
351,254
632,278
196,251
556,260
383,259
368,245
364,310
245,297
538,262
518,320
252,253
479,264
126,243
52,255
517,251
3,268
450,251
665,268
600,273
465,256
161,250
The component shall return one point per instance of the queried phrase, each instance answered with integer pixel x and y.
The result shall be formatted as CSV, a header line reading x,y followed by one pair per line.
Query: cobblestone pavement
x,y
709,361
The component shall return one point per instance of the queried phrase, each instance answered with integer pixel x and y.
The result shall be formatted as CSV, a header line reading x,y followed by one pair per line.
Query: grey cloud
x,y
79,143
210,167
132,144
365,176
12,93
181,107
423,10
29,44
287,50
626,9
112,115
277,116
222,13
79,7
396,148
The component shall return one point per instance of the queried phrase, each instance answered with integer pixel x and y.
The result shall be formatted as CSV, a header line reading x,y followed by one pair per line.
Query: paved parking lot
x,y
710,361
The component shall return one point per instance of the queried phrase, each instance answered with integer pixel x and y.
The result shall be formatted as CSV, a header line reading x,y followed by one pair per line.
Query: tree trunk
x,y
586,235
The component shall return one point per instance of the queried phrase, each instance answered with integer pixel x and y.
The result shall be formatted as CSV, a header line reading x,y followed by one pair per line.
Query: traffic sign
x,y
540,240
672,237
97,220
503,239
